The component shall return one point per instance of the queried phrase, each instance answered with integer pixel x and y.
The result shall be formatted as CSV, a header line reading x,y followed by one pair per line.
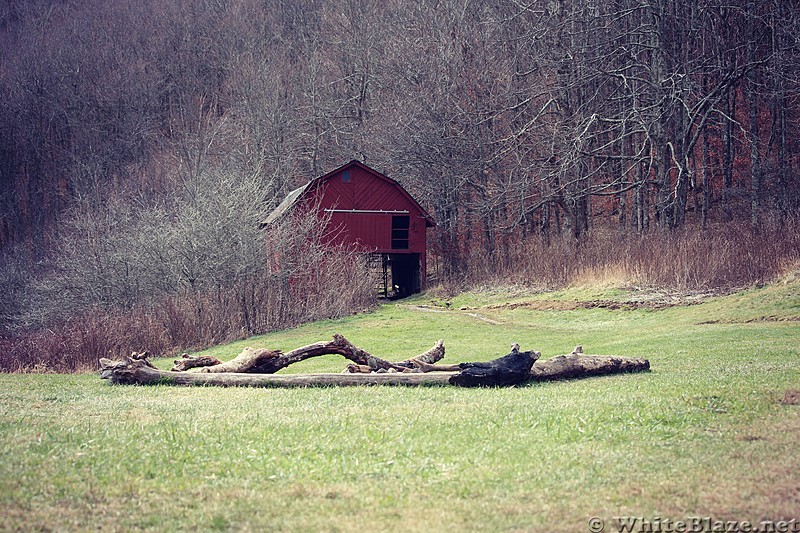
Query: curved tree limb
x,y
415,364
263,361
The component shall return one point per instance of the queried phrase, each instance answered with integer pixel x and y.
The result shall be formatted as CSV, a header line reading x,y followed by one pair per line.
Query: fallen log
x,y
262,361
510,369
575,366
572,366
133,372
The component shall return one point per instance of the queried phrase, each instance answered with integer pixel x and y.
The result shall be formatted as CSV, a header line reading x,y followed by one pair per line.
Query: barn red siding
x,y
360,210
366,191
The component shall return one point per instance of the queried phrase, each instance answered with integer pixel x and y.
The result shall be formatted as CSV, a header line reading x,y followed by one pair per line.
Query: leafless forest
x,y
552,140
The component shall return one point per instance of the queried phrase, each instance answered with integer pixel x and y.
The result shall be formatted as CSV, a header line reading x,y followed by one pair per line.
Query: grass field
x,y
703,434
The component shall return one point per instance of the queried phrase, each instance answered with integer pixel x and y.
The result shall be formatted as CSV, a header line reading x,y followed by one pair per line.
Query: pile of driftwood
x,y
257,367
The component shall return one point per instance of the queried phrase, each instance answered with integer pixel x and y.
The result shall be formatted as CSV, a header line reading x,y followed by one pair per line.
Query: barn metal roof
x,y
285,205
293,197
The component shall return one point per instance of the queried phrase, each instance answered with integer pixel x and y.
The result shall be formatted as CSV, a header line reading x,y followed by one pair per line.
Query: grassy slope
x,y
703,434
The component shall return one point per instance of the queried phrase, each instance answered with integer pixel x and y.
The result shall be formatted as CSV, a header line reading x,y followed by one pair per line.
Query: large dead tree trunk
x,y
137,370
134,372
578,365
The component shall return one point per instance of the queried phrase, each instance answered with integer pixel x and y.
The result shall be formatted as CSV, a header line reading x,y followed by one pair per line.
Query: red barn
x,y
374,214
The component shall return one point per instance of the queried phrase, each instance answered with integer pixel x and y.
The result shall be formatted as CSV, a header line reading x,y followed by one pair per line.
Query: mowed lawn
x,y
703,435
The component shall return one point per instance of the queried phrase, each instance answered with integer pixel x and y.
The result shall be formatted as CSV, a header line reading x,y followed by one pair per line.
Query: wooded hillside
x,y
142,141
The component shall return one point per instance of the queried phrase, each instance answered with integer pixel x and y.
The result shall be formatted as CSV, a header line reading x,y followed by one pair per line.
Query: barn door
x,y
401,224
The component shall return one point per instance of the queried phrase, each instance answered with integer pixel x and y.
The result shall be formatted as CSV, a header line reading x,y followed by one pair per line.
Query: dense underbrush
x,y
191,320
722,258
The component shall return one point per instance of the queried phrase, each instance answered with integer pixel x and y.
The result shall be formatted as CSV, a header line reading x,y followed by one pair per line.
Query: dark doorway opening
x,y
405,274
399,274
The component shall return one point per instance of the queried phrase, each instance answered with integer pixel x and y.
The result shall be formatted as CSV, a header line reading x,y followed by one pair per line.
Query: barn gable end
x,y
372,213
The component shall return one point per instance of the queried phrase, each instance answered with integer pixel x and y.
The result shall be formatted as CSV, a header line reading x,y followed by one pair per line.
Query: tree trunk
x,y
576,365
728,154
706,185
751,93
779,105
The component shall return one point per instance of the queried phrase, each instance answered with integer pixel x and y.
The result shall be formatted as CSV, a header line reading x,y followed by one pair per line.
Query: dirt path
x,y
429,309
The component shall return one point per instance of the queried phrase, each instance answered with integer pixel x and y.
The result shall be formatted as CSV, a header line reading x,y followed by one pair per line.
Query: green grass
x,y
703,434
